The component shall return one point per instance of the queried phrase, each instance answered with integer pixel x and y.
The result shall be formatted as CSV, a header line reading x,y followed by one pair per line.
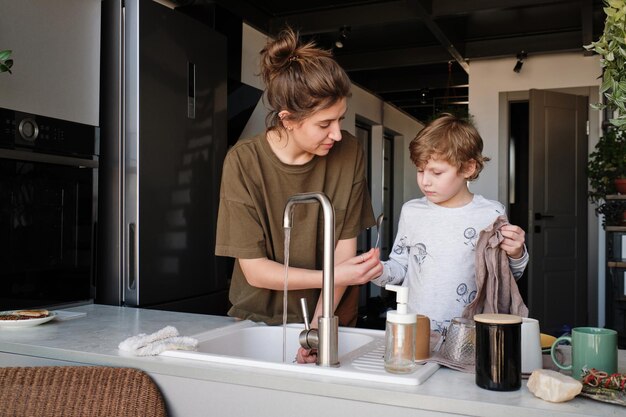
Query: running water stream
x,y
285,288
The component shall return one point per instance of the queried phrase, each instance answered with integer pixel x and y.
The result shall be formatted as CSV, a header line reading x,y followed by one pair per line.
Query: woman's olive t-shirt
x,y
254,191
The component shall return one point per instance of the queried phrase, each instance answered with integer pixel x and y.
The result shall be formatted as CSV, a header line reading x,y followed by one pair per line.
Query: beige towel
x,y
496,289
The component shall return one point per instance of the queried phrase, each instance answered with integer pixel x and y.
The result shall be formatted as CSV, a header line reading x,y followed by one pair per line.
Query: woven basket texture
x,y
78,391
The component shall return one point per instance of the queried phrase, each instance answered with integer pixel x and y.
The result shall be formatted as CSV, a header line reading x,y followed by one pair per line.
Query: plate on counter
x,y
24,322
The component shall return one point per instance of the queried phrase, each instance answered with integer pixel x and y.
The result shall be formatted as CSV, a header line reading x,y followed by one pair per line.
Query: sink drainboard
x,y
372,361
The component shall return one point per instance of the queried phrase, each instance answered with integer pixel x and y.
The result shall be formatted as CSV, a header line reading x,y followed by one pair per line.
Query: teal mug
x,y
592,347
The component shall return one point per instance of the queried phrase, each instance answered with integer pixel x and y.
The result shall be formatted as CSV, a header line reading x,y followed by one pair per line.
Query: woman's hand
x,y
513,243
359,269
306,355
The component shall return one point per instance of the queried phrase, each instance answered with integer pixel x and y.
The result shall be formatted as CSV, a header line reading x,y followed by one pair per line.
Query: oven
x,y
48,210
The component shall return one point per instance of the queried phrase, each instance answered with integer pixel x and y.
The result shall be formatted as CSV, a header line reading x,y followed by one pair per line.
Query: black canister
x,y
498,351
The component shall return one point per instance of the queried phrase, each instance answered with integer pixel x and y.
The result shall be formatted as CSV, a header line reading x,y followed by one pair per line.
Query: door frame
x,y
595,235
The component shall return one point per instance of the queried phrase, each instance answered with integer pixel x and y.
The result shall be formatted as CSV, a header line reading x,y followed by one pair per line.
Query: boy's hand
x,y
359,269
513,243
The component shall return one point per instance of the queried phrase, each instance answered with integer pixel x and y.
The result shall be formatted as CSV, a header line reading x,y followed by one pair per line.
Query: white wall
x,y
490,77
56,53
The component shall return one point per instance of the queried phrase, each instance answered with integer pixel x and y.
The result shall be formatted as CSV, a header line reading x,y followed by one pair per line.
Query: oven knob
x,y
28,130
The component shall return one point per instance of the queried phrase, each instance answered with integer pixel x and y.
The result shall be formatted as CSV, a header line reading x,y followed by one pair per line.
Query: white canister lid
x,y
497,318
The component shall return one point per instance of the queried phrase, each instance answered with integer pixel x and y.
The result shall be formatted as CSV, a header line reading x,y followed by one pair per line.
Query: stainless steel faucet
x,y
324,338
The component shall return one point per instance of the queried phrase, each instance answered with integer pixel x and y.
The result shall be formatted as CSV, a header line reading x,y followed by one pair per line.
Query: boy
x,y
433,253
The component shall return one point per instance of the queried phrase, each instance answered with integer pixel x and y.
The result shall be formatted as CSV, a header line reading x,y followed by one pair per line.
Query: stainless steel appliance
x,y
48,193
163,129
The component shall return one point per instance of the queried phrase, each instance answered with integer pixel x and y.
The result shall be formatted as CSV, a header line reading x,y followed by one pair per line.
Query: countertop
x,y
93,339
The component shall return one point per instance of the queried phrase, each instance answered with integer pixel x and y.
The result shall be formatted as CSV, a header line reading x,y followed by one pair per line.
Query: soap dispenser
x,y
400,334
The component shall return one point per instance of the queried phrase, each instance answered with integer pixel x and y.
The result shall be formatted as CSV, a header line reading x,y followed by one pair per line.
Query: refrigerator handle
x,y
191,90
132,258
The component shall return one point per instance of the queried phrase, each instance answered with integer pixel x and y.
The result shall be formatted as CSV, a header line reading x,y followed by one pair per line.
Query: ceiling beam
x,y
532,44
325,21
413,56
441,8
390,58
393,82
436,30
249,13
330,20
586,12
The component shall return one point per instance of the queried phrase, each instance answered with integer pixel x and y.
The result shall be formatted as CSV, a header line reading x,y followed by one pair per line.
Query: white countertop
x,y
93,339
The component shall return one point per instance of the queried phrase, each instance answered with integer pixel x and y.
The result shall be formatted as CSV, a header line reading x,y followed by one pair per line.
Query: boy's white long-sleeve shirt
x,y
433,254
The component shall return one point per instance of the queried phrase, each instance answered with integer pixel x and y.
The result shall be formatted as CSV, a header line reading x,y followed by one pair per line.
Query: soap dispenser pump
x,y
400,334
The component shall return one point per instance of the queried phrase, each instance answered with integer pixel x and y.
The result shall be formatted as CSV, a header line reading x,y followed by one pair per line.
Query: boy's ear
x,y
470,168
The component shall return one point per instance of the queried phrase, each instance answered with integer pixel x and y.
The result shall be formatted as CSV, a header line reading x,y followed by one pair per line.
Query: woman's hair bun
x,y
299,77
278,54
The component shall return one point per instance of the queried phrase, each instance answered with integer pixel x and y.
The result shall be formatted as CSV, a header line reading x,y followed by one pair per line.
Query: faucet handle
x,y
305,313
309,338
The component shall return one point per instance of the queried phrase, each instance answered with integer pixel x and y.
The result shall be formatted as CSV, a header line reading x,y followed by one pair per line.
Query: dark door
x,y
557,236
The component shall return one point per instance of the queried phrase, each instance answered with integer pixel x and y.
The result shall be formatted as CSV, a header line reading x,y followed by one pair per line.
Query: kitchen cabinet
x,y
616,279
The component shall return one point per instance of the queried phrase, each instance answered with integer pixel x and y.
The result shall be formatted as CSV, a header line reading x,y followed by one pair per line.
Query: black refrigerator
x,y
163,142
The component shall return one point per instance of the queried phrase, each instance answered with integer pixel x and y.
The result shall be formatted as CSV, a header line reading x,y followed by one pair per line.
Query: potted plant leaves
x,y
606,166
612,49
5,61
614,212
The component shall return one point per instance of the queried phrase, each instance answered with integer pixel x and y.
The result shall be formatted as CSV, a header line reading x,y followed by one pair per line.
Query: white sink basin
x,y
250,344
265,343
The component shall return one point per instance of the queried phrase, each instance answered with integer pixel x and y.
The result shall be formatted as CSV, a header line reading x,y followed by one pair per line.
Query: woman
x,y
302,150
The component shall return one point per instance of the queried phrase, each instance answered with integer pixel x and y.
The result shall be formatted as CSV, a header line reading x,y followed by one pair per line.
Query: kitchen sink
x,y
250,344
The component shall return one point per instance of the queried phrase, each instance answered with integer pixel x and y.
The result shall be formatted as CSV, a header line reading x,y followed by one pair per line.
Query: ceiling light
x,y
344,31
521,56
424,96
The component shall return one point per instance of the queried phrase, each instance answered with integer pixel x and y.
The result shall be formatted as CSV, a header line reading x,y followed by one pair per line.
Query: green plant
x,y
612,48
5,61
613,211
606,163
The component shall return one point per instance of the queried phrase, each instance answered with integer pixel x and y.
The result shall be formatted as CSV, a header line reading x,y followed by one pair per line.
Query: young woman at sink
x,y
302,150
